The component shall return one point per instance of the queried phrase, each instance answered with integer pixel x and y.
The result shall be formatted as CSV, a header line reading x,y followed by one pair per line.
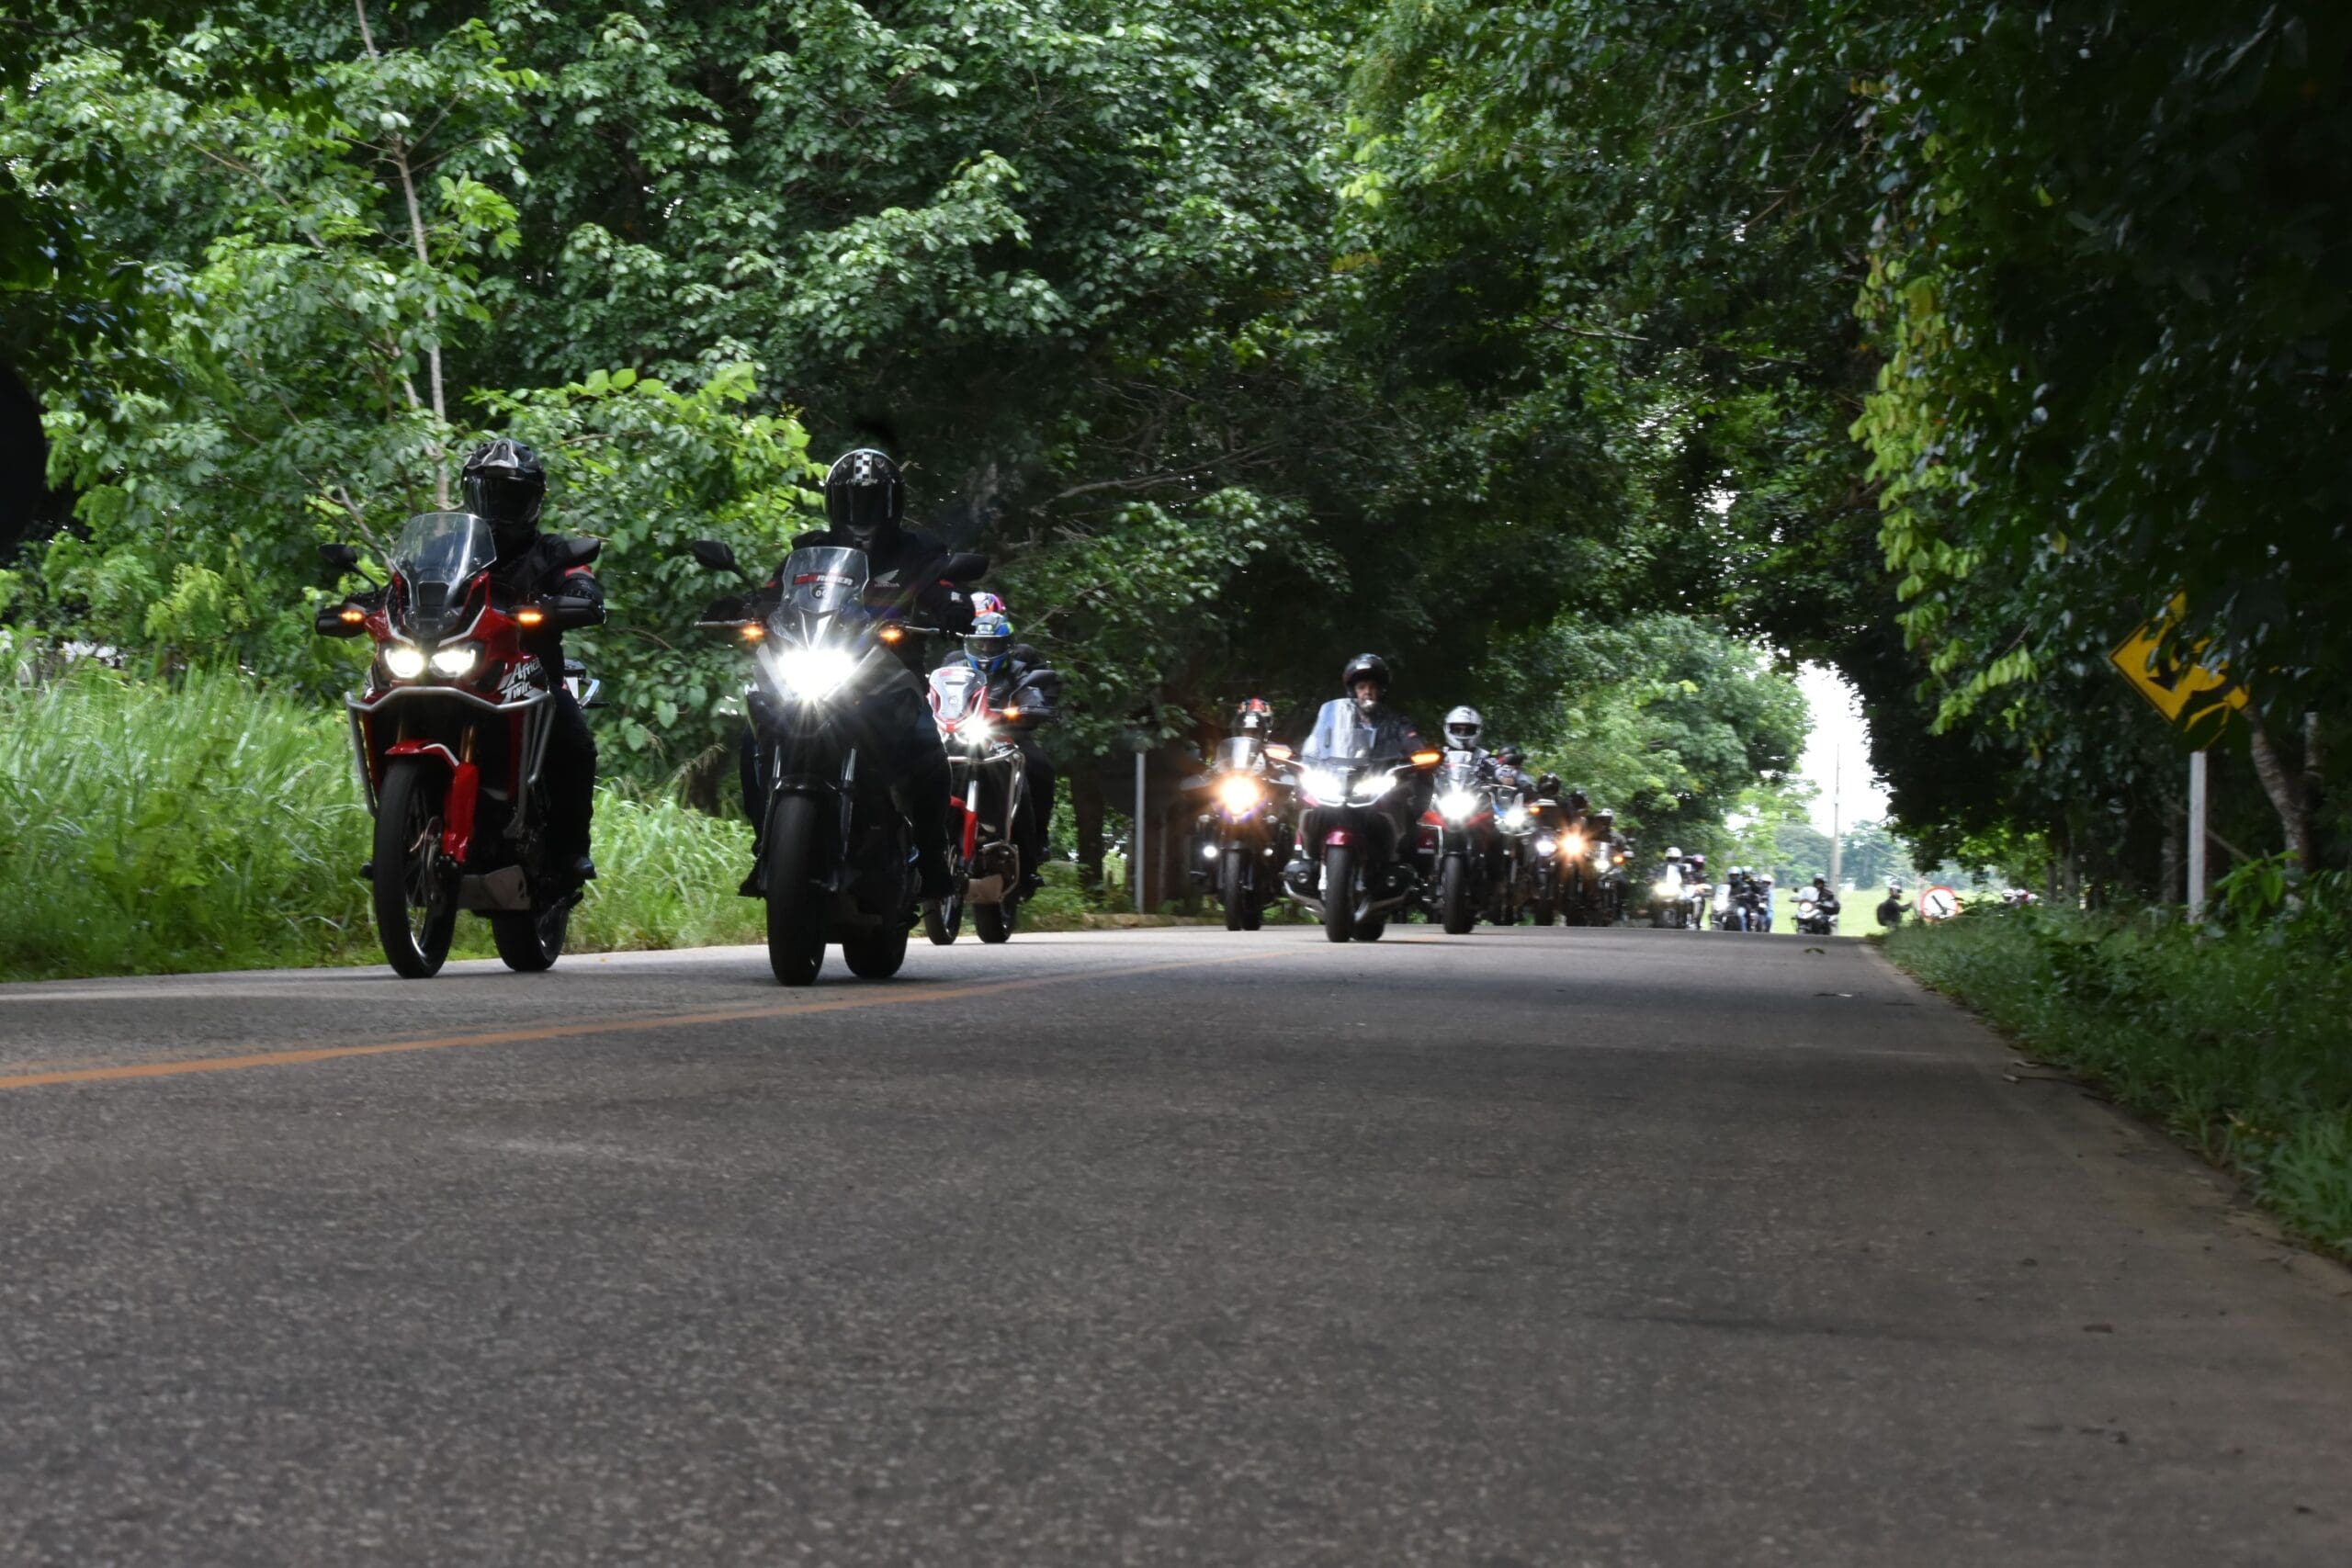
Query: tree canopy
x,y
1594,360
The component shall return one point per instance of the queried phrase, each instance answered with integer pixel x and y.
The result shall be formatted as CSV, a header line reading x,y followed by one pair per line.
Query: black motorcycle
x,y
1246,834
1358,802
837,857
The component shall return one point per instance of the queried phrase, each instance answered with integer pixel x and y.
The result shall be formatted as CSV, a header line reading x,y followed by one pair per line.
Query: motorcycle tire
x,y
796,905
1233,890
996,922
1371,930
875,953
1454,897
412,920
1339,894
1547,907
530,941
942,919
1255,919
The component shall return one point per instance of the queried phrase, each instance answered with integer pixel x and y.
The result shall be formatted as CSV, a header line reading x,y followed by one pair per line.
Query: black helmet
x,y
1365,667
505,485
865,497
1511,756
1576,799
1548,786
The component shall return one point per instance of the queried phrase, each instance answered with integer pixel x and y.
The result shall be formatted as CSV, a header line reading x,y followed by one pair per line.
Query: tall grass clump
x,y
204,824
2234,1037
146,829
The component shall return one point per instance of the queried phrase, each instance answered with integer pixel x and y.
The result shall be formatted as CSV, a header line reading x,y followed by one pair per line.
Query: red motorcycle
x,y
450,731
991,793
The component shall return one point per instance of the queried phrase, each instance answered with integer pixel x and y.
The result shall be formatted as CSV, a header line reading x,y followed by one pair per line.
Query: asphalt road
x,y
1537,1246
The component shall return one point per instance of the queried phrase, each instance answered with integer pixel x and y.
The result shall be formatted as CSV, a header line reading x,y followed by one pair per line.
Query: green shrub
x,y
2234,1039
147,828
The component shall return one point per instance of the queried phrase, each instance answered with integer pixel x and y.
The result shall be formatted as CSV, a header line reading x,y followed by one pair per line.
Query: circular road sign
x,y
1937,903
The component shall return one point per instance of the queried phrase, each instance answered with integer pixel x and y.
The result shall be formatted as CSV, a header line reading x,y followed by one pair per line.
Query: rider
x,y
1825,901
865,504
1018,676
1366,679
505,485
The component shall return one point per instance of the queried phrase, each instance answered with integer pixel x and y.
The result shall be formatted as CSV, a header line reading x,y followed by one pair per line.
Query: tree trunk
x,y
1086,806
2285,787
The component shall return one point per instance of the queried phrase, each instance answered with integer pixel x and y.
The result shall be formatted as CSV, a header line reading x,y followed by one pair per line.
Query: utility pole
x,y
1836,787
1135,846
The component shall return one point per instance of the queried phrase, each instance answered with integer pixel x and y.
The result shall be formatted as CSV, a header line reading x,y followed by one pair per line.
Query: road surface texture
x,y
1531,1246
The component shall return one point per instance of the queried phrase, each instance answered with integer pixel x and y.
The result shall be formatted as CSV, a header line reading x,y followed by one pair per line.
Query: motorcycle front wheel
x,y
996,922
1233,889
530,941
1454,897
1338,893
796,906
876,953
415,912
941,919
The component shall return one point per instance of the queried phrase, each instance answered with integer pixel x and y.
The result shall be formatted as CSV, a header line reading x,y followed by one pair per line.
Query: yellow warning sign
x,y
2180,692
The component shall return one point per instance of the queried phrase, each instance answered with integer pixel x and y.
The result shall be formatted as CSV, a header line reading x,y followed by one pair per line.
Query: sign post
x,y
1134,848
2195,835
2194,696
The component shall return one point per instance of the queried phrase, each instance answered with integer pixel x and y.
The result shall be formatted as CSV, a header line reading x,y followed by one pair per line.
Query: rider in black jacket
x,y
866,501
506,484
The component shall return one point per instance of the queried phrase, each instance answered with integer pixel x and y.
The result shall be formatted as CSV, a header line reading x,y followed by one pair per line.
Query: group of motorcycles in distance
x,y
1359,824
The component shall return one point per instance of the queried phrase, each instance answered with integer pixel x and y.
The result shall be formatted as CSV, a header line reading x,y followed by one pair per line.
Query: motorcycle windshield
x,y
443,549
955,692
1235,754
825,580
1340,735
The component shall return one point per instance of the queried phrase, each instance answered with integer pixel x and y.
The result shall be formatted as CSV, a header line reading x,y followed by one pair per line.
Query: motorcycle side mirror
x,y
715,554
965,566
340,558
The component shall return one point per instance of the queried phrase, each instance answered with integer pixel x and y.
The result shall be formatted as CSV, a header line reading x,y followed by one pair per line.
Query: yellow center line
x,y
303,1055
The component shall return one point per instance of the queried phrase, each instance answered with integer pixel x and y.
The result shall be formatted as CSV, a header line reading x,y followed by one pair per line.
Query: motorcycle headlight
x,y
1238,792
458,659
1576,844
975,728
1208,852
1516,818
404,661
1456,805
1324,783
1546,845
1666,888
812,674
1372,789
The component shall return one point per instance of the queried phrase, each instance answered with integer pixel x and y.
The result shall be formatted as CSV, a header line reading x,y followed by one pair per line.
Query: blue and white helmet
x,y
988,644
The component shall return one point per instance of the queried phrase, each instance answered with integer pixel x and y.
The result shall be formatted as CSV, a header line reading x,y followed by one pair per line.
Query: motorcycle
x,y
1458,840
1816,912
450,731
837,856
1351,871
1511,879
1247,833
1547,854
1670,900
992,784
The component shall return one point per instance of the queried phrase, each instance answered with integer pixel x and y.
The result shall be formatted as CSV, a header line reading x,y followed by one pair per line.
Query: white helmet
x,y
1463,727
1673,853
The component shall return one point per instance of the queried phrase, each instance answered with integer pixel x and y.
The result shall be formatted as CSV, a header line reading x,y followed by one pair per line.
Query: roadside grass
x,y
147,828
2236,1041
